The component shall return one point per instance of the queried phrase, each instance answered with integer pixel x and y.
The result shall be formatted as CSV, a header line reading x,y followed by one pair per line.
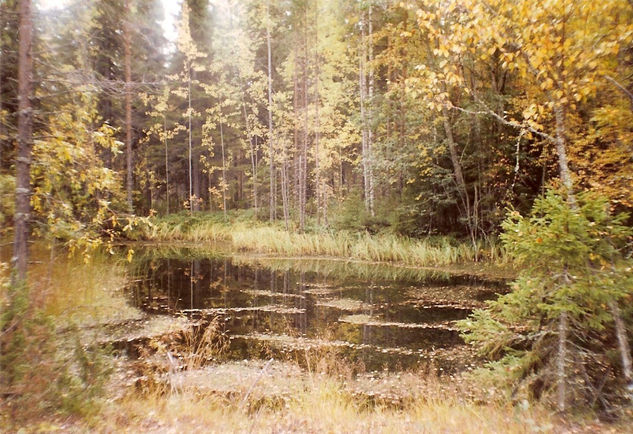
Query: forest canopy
x,y
424,116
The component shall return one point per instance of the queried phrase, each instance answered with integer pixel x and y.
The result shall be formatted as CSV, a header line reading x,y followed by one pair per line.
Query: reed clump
x,y
253,236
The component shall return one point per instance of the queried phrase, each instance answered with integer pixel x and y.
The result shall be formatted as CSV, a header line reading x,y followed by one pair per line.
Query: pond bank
x,y
259,237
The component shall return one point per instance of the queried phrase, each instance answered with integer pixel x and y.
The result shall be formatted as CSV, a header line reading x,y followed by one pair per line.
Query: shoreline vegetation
x,y
244,235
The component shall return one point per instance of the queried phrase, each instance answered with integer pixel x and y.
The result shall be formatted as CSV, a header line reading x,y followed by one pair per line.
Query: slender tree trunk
x,y
253,157
402,127
190,139
197,196
272,204
561,151
209,182
284,187
25,144
128,104
223,170
563,330
452,147
296,149
363,116
317,128
565,175
166,162
563,319
623,342
459,176
370,132
304,151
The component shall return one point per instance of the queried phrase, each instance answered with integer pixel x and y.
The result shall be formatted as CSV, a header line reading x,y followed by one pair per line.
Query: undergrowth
x,y
49,365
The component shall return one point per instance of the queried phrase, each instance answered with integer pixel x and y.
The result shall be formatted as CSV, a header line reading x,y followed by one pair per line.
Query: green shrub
x,y
576,271
352,216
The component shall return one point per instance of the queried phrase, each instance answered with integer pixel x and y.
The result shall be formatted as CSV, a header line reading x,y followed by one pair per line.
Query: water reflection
x,y
383,321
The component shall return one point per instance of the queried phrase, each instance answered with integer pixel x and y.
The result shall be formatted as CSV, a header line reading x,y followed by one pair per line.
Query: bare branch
x,y
621,87
504,121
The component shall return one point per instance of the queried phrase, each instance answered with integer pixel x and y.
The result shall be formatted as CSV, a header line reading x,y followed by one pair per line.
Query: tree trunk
x,y
370,133
284,187
363,117
459,176
402,127
189,138
623,342
166,162
317,127
561,151
253,153
452,147
563,325
273,184
296,149
223,170
209,183
25,144
303,172
197,196
563,320
128,105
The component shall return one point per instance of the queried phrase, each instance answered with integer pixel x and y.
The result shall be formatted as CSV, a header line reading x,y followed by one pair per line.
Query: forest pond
x,y
379,317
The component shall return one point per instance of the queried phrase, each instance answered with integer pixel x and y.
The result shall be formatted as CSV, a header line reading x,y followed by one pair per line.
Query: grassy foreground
x,y
318,410
250,235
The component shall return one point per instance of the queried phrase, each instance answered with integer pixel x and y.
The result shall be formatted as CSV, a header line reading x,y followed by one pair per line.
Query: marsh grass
x,y
199,349
323,406
245,235
322,399
315,398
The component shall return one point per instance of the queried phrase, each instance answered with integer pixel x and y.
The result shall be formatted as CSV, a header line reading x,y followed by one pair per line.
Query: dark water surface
x,y
381,317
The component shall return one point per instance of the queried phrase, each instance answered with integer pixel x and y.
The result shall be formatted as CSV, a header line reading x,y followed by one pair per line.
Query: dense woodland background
x,y
425,116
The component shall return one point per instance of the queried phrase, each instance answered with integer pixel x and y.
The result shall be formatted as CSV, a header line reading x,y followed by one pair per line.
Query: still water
x,y
377,316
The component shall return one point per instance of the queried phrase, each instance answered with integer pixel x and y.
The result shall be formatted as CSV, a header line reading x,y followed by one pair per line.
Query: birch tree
x,y
191,62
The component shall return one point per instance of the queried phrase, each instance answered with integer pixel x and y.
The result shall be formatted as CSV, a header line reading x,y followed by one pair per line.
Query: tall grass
x,y
323,407
268,238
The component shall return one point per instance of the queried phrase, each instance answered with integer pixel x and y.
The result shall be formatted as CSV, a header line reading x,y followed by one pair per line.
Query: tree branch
x,y
621,87
504,121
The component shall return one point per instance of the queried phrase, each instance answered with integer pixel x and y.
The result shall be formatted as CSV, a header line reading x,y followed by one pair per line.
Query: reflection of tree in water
x,y
266,305
369,302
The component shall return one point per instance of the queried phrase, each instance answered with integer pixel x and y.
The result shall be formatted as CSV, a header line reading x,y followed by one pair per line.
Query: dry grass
x,y
324,406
